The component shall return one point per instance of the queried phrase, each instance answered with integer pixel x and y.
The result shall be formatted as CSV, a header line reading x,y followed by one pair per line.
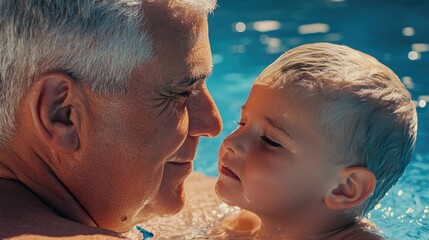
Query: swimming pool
x,y
248,35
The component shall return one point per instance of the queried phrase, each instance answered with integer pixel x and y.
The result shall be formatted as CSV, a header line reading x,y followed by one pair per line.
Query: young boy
x,y
325,132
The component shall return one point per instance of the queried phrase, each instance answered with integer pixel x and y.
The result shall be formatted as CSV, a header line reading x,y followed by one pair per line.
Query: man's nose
x,y
204,117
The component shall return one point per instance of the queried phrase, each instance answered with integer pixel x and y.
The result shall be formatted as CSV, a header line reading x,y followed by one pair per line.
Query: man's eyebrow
x,y
192,79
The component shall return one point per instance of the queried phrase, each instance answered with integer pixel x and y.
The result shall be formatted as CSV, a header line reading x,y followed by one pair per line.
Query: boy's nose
x,y
233,145
204,117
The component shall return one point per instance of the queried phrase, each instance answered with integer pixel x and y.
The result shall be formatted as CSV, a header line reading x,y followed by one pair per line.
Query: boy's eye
x,y
270,142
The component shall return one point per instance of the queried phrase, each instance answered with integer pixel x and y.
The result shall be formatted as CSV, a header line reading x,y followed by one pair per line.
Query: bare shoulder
x,y
371,230
24,216
244,223
77,237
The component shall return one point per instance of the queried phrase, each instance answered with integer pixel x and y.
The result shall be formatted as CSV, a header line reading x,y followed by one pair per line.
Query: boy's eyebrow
x,y
276,125
273,123
291,144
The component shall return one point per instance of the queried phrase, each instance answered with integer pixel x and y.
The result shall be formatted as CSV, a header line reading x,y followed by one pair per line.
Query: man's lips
x,y
182,168
226,171
186,165
180,162
183,159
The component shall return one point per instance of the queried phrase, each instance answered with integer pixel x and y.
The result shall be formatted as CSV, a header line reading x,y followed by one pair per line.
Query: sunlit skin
x,y
125,157
155,126
277,165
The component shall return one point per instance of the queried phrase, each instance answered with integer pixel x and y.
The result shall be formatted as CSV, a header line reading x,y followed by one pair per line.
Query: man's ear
x,y
53,104
357,184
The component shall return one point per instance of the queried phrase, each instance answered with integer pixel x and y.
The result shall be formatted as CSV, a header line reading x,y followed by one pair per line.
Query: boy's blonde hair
x,y
363,109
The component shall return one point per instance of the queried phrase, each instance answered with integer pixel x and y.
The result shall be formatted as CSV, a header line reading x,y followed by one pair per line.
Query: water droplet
x,y
413,55
239,27
408,31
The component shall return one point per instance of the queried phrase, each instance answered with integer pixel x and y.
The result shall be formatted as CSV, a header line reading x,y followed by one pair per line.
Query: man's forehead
x,y
181,50
189,68
179,15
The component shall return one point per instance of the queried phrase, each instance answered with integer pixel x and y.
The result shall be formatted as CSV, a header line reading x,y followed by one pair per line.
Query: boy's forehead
x,y
278,103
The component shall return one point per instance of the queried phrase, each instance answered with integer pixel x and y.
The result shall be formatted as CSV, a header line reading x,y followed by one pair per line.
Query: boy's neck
x,y
311,229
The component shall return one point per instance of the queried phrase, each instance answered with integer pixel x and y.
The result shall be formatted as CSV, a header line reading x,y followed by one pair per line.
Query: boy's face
x,y
276,163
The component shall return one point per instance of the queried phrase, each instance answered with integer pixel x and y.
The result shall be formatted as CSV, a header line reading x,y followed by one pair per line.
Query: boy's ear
x,y
357,184
53,105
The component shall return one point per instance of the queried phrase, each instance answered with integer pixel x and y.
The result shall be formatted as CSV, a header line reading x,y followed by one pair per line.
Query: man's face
x,y
276,163
139,146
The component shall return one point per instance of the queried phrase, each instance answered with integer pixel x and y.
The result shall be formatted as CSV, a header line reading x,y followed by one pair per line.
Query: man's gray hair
x,y
96,42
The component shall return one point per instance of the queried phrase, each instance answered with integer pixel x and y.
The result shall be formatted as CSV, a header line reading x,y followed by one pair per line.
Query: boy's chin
x,y
223,194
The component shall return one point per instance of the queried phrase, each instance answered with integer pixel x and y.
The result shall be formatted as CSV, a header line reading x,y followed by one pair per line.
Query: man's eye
x,y
187,94
270,142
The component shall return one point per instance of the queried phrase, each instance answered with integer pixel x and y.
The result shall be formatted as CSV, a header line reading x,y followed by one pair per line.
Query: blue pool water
x,y
248,35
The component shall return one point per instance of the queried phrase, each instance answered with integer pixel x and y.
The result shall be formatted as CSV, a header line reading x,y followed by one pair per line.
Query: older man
x,y
102,104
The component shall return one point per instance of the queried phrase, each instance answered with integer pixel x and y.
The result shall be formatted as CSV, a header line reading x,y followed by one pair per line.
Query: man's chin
x,y
171,202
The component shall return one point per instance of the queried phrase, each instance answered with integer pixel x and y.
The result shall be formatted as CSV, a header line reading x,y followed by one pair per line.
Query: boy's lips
x,y
228,172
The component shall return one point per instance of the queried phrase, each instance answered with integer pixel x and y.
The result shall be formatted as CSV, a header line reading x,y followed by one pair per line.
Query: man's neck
x,y
31,171
25,216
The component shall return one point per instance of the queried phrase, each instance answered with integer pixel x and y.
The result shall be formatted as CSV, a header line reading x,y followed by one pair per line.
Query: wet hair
x,y
363,109
95,42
